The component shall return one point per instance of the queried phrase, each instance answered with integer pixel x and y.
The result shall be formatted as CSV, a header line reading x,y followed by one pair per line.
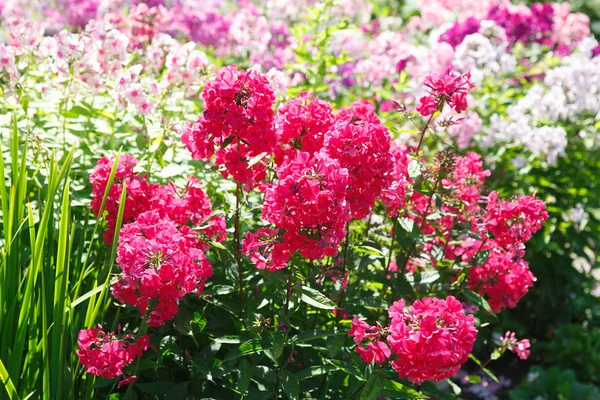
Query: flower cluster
x,y
190,206
308,202
432,338
568,93
376,350
138,191
520,347
512,223
483,232
361,144
108,354
237,124
503,278
160,264
301,124
429,340
448,89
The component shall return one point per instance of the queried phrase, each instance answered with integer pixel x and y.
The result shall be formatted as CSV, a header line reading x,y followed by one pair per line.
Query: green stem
x,y
141,332
391,251
236,243
289,287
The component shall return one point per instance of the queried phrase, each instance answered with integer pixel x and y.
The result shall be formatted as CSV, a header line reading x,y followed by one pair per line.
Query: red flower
x,y
275,253
301,125
237,124
375,351
514,222
503,278
139,191
520,347
106,354
308,202
361,144
431,339
427,105
159,261
448,88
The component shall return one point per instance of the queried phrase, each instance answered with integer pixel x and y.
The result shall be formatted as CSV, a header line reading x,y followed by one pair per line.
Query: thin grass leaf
x,y
9,386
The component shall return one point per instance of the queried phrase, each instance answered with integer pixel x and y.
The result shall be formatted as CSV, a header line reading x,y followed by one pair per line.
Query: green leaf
x,y
415,170
399,391
423,278
481,257
245,375
455,388
409,226
369,250
313,371
347,368
487,371
200,321
429,388
479,301
373,387
251,346
278,343
316,299
313,335
229,340
8,383
289,384
256,159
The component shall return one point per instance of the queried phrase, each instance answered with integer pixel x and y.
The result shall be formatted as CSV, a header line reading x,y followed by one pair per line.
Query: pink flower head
x,y
394,196
188,206
362,146
308,202
374,352
503,278
301,124
448,88
237,124
457,33
359,330
107,354
432,338
160,262
139,191
514,222
427,105
520,347
467,178
266,249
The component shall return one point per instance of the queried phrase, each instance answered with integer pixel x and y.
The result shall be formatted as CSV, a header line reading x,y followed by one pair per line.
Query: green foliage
x,y
553,384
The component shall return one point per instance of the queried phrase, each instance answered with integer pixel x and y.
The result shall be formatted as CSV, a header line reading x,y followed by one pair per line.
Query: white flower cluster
x,y
567,93
579,78
548,142
484,54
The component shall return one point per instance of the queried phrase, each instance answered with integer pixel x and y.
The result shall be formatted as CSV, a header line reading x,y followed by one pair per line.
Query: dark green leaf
x,y
373,387
245,375
316,299
313,371
481,257
347,368
399,391
476,299
289,384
